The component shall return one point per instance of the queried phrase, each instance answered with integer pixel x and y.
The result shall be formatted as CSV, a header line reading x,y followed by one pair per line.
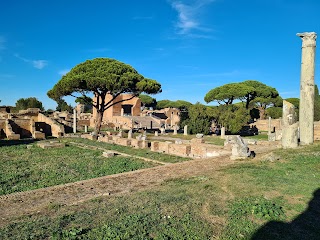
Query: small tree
x,y
228,93
31,102
84,101
102,76
316,104
274,112
200,119
233,117
253,93
63,106
148,101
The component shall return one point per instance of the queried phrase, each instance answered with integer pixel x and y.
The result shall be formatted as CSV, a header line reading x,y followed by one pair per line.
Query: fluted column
x,y
306,107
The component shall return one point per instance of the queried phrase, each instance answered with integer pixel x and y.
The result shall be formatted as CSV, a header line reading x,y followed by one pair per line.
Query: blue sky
x,y
189,46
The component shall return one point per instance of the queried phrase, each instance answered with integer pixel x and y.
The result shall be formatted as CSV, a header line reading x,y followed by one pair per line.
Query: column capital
x,y
308,39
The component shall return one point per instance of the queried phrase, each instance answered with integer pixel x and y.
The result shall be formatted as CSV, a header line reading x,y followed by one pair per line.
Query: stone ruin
x,y
287,130
239,147
289,126
30,123
235,146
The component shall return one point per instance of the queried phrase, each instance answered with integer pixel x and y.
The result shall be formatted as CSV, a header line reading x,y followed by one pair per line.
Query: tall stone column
x,y
74,120
269,126
306,108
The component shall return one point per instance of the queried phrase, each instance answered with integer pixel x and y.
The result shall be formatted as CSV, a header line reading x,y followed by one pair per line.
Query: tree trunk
x,y
262,113
97,127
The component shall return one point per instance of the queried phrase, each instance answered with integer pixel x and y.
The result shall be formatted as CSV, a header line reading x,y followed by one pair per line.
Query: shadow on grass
x,y
305,226
16,142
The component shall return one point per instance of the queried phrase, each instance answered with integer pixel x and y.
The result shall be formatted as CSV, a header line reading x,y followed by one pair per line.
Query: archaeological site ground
x,y
118,166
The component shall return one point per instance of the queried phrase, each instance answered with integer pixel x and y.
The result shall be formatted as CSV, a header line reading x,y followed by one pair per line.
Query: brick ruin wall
x,y
2,129
196,149
263,125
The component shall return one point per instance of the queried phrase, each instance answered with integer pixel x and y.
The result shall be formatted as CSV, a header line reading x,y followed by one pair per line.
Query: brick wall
x,y
263,125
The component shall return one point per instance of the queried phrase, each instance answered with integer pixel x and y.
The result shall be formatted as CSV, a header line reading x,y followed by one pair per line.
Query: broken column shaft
x,y
306,106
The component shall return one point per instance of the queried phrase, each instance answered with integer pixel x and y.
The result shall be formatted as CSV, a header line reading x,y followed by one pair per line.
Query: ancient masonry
x,y
289,126
306,109
235,147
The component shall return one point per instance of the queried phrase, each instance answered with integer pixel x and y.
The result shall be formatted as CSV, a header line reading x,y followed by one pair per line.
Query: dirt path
x,y
19,204
14,205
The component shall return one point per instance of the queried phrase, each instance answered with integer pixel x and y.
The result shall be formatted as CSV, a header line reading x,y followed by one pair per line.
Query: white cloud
x,y
188,18
63,72
289,93
39,64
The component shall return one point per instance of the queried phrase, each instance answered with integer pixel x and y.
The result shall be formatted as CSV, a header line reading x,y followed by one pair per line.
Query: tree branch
x,y
113,98
123,100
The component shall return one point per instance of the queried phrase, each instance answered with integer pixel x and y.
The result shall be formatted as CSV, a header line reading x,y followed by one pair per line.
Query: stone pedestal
x,y
175,130
130,134
156,133
290,136
306,106
85,128
223,132
185,130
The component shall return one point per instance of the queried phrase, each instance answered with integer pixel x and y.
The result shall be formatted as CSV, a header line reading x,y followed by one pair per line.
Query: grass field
x,y
253,199
26,169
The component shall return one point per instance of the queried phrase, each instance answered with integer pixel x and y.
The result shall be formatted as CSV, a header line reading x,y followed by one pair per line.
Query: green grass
x,y
26,169
160,214
288,185
249,200
147,153
258,137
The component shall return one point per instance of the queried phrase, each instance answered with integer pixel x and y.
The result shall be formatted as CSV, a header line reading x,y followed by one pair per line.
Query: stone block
x,y
197,141
199,135
39,135
88,136
240,149
198,151
108,154
145,144
155,146
290,136
123,141
183,150
106,138
272,137
46,145
136,143
164,147
13,136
